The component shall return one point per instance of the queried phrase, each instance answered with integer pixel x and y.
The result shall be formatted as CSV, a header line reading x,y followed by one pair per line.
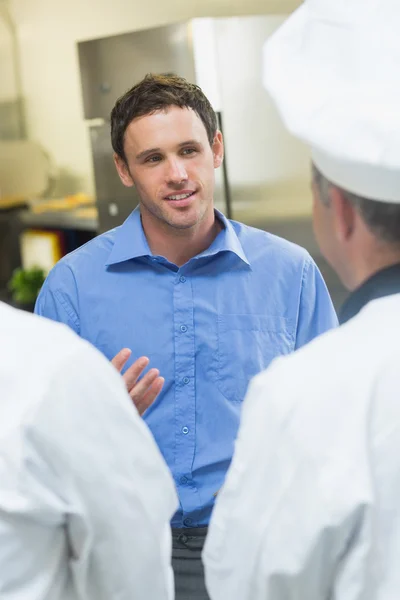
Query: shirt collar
x,y
130,241
226,241
383,283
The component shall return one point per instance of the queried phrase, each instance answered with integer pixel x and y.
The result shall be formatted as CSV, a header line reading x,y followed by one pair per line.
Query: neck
x,y
178,246
373,262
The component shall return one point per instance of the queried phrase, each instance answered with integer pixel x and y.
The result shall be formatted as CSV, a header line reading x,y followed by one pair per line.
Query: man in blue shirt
x,y
209,301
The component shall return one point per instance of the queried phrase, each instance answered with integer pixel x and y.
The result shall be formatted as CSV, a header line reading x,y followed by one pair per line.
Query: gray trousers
x,y
187,545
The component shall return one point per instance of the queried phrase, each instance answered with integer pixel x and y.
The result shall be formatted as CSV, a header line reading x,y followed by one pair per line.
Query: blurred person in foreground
x,y
85,496
311,505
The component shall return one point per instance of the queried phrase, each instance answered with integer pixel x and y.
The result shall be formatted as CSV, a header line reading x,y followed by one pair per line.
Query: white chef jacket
x,y
311,505
85,496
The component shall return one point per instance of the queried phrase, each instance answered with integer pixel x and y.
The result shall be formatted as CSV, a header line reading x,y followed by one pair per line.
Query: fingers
x,y
142,391
121,358
138,391
132,374
151,394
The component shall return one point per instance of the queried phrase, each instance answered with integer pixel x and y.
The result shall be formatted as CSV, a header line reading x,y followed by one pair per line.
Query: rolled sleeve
x,y
58,298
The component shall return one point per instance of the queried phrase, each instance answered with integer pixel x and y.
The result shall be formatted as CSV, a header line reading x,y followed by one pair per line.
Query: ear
x,y
218,149
344,215
123,171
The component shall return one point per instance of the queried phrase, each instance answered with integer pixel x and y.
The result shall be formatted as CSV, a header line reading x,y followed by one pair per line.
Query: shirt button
x,y
187,521
186,380
183,328
182,279
185,430
184,480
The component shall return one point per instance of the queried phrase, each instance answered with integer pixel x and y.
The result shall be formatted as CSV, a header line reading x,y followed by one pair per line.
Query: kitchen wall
x,y
7,77
48,31
10,123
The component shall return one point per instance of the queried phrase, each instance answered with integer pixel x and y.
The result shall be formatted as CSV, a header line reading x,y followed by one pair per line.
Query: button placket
x,y
185,398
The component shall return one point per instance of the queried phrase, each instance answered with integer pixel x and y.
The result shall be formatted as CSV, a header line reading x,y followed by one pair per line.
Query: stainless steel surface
x,y
110,66
68,219
114,201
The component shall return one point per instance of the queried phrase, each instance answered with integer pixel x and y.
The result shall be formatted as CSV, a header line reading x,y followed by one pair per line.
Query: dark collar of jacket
x,y
383,283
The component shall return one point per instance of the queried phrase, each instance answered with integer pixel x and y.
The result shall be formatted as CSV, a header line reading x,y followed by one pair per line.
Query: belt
x,y
192,538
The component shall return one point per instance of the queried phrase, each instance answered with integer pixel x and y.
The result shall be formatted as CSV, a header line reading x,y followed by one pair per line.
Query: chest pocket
x,y
246,345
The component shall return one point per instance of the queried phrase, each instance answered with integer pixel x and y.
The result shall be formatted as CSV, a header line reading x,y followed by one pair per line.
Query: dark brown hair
x,y
155,93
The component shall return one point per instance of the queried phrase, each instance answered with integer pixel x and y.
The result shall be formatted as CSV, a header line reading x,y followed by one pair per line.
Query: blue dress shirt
x,y
208,326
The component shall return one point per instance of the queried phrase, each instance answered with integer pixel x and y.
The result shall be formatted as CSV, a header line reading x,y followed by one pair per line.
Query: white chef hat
x,y
333,70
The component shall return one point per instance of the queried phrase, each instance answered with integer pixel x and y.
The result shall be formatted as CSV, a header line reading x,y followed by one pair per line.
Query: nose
x,y
176,172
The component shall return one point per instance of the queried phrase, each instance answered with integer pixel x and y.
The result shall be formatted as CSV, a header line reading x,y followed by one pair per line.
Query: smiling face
x,y
171,163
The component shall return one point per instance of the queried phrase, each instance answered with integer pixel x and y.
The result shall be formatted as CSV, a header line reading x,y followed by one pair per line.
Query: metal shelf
x,y
71,219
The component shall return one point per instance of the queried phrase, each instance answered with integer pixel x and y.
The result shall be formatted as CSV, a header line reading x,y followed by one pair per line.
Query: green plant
x,y
25,284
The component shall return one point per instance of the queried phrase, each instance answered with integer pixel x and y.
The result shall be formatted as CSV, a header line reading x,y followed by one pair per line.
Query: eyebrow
x,y
155,150
146,152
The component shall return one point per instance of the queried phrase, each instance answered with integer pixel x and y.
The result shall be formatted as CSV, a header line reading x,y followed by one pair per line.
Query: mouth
x,y
182,199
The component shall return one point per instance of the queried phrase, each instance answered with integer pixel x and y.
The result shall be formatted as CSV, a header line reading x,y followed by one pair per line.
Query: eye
x,y
188,151
153,159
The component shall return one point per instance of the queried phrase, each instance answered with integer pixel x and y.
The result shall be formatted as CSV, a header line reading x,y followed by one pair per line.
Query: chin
x,y
183,224
184,221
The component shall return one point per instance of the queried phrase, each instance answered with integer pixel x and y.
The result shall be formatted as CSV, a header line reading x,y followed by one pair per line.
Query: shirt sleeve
x,y
93,471
58,297
316,312
273,533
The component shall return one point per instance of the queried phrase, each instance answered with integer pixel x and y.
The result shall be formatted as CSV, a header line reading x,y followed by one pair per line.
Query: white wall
x,y
48,31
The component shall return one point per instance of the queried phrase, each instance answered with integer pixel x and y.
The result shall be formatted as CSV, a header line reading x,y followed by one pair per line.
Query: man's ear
x,y
123,171
344,214
218,149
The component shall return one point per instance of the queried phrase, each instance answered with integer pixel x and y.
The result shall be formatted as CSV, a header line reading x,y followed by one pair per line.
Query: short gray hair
x,y
381,218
